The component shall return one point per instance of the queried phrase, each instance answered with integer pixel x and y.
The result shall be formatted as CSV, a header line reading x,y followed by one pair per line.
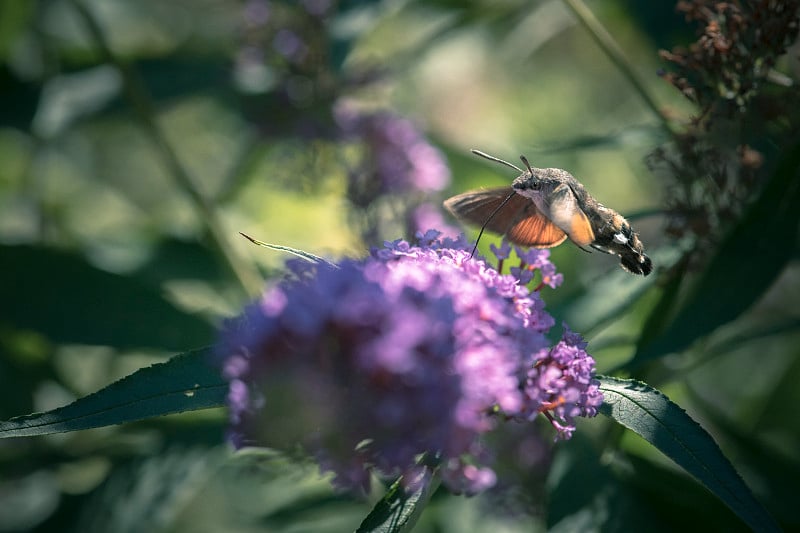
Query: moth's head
x,y
540,182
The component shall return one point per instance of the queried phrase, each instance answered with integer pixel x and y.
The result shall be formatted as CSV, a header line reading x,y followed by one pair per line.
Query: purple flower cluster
x,y
400,159
414,350
537,259
283,51
562,386
531,261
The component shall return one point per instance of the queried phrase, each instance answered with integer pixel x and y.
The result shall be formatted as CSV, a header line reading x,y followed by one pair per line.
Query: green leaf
x,y
746,264
644,135
589,490
180,259
608,297
14,17
658,318
62,296
748,334
400,508
659,421
186,382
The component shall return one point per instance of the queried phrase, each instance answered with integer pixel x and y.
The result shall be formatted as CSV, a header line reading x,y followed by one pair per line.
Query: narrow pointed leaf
x,y
288,249
186,382
654,417
400,507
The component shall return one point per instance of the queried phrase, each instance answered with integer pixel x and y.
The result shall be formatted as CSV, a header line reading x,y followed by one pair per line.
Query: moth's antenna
x,y
525,160
498,208
496,160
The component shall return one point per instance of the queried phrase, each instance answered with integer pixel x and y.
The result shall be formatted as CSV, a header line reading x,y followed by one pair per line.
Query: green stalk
x,y
138,96
608,45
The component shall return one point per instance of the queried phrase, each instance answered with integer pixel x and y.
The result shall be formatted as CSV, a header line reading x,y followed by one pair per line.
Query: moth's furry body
x,y
543,207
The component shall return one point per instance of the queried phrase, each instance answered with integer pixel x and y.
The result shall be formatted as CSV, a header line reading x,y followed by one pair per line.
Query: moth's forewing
x,y
477,206
519,220
536,231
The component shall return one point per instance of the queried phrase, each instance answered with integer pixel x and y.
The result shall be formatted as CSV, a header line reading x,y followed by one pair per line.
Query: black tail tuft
x,y
636,263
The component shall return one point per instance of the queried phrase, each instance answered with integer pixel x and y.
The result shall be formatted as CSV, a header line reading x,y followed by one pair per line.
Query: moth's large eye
x,y
528,184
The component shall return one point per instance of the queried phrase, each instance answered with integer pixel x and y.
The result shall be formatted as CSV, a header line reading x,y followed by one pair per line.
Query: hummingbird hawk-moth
x,y
545,206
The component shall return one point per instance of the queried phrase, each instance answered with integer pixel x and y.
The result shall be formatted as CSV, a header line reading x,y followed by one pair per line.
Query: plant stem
x,y
607,43
138,96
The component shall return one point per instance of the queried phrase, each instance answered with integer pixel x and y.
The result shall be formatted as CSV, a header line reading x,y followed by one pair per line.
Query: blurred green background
x,y
136,142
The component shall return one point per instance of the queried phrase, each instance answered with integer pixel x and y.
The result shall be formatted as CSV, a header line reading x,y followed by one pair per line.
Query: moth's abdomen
x,y
618,238
635,263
